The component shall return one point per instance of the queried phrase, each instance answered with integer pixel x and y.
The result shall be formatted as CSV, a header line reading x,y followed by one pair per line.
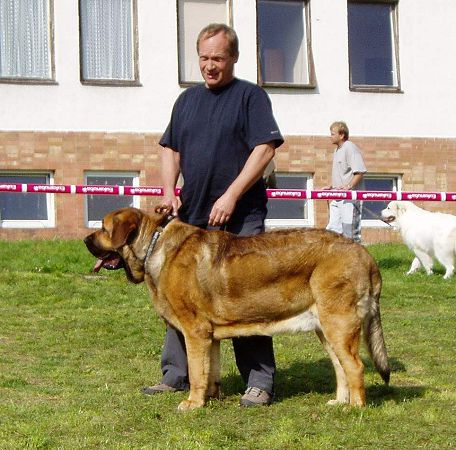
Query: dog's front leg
x,y
199,362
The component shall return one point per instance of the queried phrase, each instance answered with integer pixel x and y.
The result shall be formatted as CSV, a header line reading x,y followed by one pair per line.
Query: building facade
x,y
85,97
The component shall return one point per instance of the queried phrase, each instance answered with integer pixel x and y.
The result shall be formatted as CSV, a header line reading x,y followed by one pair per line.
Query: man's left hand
x,y
222,210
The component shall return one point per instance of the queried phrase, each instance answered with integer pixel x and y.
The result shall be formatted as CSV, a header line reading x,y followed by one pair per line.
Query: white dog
x,y
430,235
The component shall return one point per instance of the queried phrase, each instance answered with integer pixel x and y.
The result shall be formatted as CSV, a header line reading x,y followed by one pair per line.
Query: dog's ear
x,y
124,228
164,210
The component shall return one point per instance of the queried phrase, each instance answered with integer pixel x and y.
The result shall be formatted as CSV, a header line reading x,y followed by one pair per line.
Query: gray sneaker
x,y
256,397
159,388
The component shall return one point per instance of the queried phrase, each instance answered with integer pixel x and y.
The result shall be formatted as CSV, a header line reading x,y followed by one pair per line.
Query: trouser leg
x,y
335,217
174,360
255,361
351,220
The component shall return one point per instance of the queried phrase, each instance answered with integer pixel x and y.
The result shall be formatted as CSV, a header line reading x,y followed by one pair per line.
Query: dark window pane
x,y
288,209
370,40
99,205
283,54
372,210
15,206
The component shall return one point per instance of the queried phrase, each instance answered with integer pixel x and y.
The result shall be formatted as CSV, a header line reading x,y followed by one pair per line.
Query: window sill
x,y
112,83
30,81
377,89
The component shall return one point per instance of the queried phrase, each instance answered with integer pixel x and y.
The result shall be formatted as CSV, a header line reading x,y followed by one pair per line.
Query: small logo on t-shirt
x,y
275,132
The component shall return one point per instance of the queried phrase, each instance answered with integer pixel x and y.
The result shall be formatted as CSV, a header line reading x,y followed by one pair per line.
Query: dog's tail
x,y
372,327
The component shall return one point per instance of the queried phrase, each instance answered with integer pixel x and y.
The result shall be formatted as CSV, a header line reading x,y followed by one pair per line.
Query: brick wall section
x,y
425,164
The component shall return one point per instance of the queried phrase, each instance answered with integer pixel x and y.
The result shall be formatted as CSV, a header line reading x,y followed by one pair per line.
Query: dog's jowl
x,y
275,282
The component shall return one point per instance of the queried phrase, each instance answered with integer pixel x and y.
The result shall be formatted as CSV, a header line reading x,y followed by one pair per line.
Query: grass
x,y
75,349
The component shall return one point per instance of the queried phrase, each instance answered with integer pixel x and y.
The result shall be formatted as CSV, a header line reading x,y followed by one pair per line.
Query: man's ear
x,y
125,226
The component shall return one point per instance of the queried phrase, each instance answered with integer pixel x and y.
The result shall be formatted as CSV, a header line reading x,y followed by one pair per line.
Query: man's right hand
x,y
171,202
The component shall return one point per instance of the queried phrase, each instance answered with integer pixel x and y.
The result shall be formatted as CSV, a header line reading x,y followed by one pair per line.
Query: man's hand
x,y
172,202
222,210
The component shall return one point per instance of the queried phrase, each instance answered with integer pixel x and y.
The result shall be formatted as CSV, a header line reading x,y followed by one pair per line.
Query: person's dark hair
x,y
216,28
341,128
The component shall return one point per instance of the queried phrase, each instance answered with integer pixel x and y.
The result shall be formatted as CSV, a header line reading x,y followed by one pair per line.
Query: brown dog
x,y
213,285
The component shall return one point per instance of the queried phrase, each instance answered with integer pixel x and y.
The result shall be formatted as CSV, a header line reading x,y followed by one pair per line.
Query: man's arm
x,y
223,208
170,173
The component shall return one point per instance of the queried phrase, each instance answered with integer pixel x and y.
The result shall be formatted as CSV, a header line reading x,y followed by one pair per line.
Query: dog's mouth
x,y
389,219
112,261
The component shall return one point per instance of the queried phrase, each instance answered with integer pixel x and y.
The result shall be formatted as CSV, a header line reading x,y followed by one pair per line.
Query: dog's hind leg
x,y
446,258
425,260
416,264
213,389
342,393
343,336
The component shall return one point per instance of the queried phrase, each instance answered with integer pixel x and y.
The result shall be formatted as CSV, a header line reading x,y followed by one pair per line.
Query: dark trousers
x,y
254,354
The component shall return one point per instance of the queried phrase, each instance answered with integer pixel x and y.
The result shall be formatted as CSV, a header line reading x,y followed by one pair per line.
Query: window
x,y
373,45
290,213
26,210
97,206
193,16
284,45
371,212
108,40
26,41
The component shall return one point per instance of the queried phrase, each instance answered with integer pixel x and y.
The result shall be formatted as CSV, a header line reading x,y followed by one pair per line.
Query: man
x,y
221,137
348,170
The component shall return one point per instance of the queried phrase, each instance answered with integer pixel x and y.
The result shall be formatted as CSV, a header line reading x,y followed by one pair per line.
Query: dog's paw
x,y
336,402
189,405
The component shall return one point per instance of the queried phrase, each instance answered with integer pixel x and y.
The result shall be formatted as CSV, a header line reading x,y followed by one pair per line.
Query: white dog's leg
x,y
426,261
446,258
416,264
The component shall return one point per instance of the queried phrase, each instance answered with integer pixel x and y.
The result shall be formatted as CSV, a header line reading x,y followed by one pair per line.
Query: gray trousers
x,y
345,218
254,354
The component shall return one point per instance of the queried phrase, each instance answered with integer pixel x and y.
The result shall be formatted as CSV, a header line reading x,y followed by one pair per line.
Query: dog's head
x,y
395,210
123,240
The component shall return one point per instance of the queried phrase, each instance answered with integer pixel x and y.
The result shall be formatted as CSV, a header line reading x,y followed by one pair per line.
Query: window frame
x,y
394,57
107,173
310,60
113,82
298,223
181,55
40,81
50,202
397,187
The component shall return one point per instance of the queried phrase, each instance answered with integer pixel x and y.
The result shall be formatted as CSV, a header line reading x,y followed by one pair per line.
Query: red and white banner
x,y
282,194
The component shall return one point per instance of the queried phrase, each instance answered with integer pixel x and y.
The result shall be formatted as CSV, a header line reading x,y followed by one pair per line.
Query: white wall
x,y
425,108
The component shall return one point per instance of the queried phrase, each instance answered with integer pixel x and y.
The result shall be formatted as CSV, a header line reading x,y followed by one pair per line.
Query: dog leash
x,y
375,215
156,235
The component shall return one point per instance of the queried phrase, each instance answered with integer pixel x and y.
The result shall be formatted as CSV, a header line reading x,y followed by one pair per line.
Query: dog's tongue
x,y
98,265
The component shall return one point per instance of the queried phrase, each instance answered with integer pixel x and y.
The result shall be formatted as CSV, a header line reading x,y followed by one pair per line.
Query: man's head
x,y
218,52
339,133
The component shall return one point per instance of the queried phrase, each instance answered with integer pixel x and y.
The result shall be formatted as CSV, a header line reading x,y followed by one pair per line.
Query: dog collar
x,y
156,235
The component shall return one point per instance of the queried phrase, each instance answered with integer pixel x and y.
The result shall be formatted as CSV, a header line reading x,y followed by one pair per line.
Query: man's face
x,y
216,63
336,137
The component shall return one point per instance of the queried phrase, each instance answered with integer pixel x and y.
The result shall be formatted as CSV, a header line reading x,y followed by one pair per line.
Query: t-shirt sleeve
x,y
261,127
356,160
169,137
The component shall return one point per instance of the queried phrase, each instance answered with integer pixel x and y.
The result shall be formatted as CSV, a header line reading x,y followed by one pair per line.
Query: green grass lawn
x,y
75,349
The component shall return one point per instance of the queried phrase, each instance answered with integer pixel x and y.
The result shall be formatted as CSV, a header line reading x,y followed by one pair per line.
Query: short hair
x,y
341,128
215,28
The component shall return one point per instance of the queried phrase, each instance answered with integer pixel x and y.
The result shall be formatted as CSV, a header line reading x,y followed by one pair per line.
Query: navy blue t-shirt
x,y
214,132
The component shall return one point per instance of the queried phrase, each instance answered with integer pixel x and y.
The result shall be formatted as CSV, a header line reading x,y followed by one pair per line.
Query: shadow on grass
x,y
392,262
318,377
